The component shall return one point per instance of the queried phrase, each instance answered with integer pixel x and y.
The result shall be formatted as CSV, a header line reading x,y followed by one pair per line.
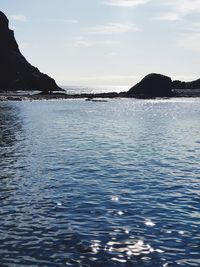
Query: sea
x,y
100,184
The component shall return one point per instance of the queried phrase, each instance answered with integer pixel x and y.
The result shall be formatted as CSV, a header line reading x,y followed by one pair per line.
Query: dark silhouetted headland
x,y
152,85
16,73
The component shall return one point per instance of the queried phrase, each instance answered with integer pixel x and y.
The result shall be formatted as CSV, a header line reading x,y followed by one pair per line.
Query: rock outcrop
x,y
152,85
186,85
16,73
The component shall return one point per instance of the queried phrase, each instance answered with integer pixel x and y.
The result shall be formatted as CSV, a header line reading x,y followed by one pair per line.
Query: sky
x,y
108,42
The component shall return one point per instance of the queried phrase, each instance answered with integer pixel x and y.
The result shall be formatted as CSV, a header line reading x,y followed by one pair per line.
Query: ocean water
x,y
95,89
101,184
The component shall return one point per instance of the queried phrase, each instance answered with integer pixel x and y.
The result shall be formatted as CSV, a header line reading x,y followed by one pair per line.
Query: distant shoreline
x,y
14,96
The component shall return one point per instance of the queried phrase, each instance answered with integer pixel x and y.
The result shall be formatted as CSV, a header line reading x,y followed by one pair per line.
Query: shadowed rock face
x,y
186,85
3,21
152,85
16,73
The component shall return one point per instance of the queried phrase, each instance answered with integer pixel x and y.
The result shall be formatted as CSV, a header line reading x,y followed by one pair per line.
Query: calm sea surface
x,y
100,184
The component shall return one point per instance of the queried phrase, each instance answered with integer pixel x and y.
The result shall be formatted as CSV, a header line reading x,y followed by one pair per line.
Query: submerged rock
x,y
16,73
152,85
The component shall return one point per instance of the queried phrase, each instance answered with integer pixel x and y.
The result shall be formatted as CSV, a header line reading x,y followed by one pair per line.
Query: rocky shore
x,y
53,96
100,97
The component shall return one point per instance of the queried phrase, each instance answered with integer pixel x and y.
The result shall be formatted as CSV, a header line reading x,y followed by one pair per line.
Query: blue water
x,y
100,183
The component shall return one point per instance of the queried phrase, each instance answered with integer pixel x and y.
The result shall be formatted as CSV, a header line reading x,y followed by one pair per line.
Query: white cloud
x,y
114,28
87,42
178,9
188,6
21,18
125,3
175,9
95,36
70,21
169,17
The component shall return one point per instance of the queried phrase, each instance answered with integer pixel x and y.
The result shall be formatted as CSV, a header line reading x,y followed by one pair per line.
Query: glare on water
x,y
100,184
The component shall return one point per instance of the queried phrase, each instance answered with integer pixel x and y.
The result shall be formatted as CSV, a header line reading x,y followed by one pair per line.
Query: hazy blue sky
x,y
110,42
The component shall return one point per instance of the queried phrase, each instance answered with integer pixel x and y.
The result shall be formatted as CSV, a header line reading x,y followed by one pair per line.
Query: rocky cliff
x,y
152,85
16,73
158,85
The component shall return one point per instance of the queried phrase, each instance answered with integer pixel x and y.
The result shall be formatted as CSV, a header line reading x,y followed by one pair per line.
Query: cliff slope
x,y
16,73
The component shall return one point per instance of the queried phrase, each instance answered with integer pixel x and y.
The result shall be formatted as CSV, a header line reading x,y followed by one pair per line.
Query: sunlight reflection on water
x,y
100,184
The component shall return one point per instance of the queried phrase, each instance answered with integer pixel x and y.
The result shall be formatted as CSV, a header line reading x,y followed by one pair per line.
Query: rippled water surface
x,y
100,184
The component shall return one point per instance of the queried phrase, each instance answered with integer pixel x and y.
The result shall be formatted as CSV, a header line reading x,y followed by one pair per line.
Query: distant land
x,y
17,74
